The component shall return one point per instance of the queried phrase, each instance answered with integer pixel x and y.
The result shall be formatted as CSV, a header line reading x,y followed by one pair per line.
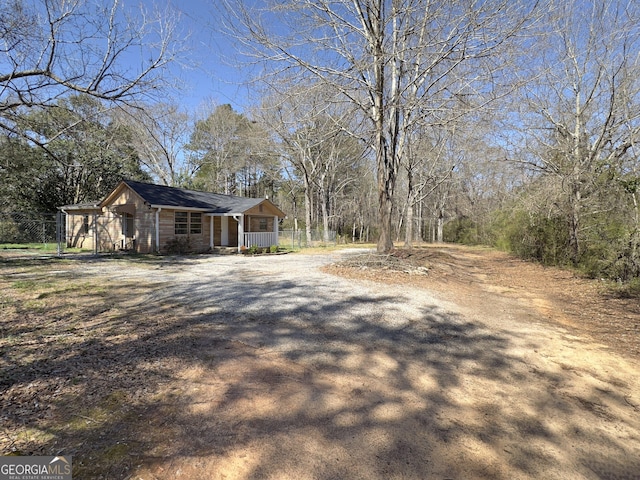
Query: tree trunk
x,y
440,227
307,209
385,242
325,216
634,261
574,227
420,223
408,232
385,159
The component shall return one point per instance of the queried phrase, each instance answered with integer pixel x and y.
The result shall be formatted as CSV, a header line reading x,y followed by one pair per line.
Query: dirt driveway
x,y
271,367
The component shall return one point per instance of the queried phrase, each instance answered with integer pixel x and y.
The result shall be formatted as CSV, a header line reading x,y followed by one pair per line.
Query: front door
x,y
127,231
224,231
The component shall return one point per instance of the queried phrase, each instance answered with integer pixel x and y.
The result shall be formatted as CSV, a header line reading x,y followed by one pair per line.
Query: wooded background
x,y
505,123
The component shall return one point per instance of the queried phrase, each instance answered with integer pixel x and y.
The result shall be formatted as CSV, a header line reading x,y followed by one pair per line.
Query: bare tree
x,y
398,61
316,145
427,164
50,48
293,121
582,112
159,132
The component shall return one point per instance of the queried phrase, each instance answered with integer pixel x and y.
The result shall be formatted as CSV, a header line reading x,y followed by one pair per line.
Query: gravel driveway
x,y
301,374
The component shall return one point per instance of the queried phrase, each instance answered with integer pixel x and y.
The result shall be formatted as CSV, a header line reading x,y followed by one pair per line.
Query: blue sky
x,y
212,78
203,68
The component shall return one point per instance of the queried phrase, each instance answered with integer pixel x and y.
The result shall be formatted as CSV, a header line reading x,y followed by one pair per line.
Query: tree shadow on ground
x,y
261,376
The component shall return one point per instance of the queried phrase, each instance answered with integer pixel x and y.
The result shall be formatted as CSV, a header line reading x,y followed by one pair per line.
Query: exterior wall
x,y
199,242
145,230
252,223
110,235
75,231
217,231
109,232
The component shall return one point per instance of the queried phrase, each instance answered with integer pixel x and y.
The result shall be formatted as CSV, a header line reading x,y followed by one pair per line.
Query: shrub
x,y
461,230
273,249
253,250
178,245
531,236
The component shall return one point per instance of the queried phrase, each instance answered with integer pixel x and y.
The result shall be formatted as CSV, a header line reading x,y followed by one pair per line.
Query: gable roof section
x,y
163,196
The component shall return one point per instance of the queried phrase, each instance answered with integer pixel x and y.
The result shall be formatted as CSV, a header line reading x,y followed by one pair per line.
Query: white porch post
x,y
240,232
224,231
158,229
275,229
211,242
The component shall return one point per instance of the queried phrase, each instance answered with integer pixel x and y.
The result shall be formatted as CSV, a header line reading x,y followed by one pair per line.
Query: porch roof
x,y
84,207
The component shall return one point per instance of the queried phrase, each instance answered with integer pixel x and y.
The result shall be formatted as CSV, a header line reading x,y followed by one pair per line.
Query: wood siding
x,y
76,235
199,242
252,223
110,235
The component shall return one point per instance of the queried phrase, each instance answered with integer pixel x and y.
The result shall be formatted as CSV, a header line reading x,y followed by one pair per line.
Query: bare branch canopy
x,y
51,48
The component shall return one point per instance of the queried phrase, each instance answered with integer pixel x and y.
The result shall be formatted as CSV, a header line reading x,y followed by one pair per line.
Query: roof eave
x,y
93,206
223,214
204,210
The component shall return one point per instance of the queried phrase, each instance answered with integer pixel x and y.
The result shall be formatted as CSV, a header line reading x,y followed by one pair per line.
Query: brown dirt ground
x,y
89,370
589,307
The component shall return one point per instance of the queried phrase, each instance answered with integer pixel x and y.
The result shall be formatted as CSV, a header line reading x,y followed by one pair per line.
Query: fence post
x,y
59,233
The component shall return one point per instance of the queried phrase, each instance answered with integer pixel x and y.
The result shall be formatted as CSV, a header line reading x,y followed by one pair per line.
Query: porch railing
x,y
260,239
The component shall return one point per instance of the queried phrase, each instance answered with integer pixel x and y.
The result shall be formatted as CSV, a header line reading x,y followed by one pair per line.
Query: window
x,y
181,223
196,223
188,223
263,224
85,224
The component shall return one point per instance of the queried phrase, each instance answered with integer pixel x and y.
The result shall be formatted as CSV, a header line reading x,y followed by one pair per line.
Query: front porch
x,y
243,231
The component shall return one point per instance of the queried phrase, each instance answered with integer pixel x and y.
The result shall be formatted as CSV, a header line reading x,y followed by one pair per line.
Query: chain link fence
x,y
46,231
298,238
27,229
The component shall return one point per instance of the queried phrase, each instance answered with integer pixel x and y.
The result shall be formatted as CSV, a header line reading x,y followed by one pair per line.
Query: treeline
x,y
319,176
512,124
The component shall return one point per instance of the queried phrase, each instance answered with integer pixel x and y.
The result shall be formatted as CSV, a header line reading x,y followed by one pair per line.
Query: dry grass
x,y
78,362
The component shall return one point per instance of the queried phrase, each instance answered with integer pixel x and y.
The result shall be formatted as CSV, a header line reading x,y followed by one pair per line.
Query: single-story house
x,y
145,218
